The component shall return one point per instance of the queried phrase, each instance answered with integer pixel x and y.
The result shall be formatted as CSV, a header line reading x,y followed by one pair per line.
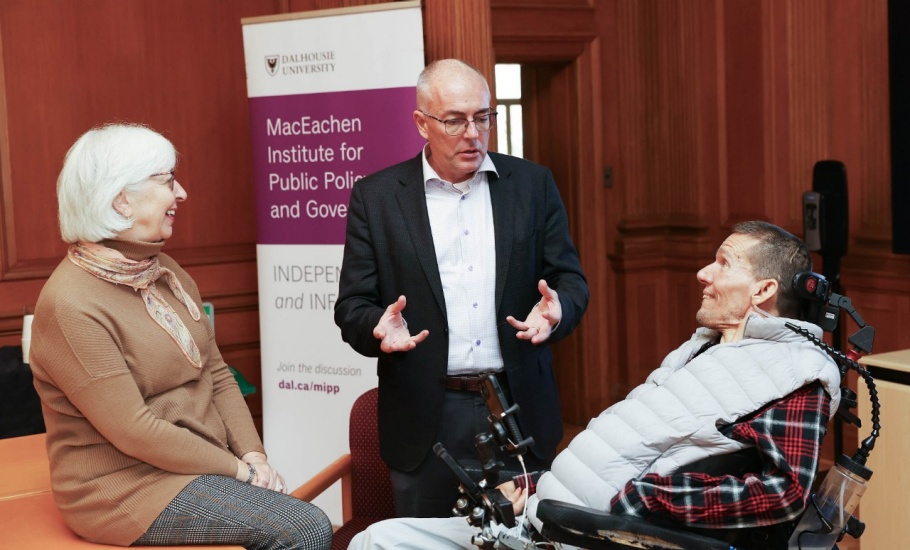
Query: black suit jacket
x,y
389,251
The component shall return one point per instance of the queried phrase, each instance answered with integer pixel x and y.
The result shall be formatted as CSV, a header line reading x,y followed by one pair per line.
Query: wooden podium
x,y
884,506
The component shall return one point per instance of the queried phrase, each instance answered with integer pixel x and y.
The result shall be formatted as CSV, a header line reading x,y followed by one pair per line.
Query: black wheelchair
x,y
569,524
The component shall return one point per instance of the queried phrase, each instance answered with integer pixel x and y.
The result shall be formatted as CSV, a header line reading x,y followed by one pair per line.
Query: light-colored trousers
x,y
418,534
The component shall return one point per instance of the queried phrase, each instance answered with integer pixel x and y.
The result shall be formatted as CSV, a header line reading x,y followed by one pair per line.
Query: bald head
x,y
444,71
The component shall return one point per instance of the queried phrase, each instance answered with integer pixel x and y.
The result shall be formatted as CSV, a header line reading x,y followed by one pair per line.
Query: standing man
x,y
457,263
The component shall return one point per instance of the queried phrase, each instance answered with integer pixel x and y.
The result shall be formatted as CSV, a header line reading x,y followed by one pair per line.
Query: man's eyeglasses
x,y
458,126
170,180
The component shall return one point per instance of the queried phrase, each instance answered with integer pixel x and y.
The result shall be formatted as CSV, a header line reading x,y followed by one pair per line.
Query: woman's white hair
x,y
104,162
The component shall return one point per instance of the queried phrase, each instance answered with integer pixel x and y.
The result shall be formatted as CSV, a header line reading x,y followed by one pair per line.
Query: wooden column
x,y
462,30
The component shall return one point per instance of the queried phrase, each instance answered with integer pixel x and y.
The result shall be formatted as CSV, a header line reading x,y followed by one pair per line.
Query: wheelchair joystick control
x,y
828,514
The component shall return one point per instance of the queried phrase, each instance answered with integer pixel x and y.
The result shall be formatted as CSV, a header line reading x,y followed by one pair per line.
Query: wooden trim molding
x,y
7,244
41,268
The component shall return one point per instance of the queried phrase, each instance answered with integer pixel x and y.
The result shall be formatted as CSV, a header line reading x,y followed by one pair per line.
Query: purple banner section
x,y
309,149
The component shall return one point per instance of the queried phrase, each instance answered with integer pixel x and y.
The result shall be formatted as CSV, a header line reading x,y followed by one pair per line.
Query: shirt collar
x,y
430,175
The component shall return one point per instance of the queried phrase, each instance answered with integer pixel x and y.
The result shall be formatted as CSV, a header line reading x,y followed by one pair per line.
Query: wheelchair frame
x,y
598,530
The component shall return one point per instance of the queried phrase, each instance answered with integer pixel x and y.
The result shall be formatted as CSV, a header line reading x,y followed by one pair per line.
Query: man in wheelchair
x,y
724,437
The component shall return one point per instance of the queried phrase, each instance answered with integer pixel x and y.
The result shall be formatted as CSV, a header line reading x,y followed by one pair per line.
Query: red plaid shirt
x,y
787,434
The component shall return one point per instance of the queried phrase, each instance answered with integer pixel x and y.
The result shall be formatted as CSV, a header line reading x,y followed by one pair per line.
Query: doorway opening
x,y
509,132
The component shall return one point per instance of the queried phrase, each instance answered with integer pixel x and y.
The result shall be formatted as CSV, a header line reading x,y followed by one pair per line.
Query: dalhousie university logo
x,y
271,64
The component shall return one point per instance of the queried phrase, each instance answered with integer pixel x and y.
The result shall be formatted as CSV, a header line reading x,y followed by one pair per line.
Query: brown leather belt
x,y
465,383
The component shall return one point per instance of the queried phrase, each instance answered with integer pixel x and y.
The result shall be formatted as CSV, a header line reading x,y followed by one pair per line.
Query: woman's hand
x,y
518,497
266,476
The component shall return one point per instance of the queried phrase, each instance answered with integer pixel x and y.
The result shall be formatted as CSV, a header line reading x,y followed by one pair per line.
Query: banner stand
x,y
326,90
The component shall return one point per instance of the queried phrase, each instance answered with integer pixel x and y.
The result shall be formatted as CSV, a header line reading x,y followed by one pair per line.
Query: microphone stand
x,y
831,271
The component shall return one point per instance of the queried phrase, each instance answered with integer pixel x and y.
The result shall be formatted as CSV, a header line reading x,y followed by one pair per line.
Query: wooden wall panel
x,y
562,102
658,51
462,30
61,78
183,76
745,74
175,66
805,66
646,291
871,117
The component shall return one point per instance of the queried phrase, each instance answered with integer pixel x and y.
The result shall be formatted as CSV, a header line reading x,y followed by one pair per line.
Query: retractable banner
x,y
331,97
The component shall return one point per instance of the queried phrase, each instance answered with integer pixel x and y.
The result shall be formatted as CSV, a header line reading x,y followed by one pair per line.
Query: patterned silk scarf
x,y
110,265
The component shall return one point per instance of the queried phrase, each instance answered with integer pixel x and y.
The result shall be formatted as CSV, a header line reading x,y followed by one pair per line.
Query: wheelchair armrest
x,y
580,525
339,470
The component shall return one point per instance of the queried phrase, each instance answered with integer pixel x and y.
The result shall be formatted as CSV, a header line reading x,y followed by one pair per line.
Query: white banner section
x,y
331,97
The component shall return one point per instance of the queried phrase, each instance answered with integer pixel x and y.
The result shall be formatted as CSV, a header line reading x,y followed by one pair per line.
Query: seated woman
x,y
149,439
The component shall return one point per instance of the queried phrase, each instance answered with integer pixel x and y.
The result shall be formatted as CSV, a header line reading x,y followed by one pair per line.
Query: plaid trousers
x,y
220,510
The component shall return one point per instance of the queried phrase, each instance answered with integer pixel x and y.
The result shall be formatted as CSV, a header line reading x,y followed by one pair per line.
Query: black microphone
x,y
829,181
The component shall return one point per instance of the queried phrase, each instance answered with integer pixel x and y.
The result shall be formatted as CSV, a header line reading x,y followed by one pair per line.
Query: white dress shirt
x,y
461,219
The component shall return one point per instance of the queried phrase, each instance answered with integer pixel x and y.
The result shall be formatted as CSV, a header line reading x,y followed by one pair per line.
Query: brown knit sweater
x,y
130,422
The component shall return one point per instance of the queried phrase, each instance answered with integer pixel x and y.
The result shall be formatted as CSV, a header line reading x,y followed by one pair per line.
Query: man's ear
x,y
122,205
765,295
421,121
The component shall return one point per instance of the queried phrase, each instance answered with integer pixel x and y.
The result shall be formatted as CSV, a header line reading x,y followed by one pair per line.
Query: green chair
x,y
245,387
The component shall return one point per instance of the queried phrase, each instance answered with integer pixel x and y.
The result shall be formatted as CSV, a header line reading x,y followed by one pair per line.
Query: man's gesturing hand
x,y
544,316
392,329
